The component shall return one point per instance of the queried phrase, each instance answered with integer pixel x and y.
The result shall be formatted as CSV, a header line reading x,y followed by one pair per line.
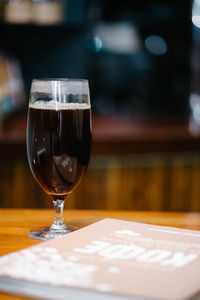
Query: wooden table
x,y
15,223
117,134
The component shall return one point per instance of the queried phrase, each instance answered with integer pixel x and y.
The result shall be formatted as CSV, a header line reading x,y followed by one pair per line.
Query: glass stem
x,y
58,223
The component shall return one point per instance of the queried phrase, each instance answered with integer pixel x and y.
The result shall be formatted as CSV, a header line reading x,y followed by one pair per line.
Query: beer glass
x,y
58,140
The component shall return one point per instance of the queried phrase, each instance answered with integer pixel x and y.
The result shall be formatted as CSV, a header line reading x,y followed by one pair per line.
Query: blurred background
x,y
142,60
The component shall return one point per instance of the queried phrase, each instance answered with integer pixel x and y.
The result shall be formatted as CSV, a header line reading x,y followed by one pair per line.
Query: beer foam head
x,y
54,105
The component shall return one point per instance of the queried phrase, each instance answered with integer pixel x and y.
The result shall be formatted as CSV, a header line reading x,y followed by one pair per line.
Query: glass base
x,y
45,234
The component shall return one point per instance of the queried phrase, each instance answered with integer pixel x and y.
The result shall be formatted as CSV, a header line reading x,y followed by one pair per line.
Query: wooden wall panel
x,y
133,182
194,200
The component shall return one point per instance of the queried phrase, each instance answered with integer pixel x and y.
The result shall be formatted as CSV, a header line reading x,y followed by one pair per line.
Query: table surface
x,y
15,223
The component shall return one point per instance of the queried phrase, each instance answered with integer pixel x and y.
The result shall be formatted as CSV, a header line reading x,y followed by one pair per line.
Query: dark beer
x,y
58,145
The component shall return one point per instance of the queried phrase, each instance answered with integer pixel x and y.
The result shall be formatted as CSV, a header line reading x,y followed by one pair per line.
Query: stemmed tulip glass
x,y
58,142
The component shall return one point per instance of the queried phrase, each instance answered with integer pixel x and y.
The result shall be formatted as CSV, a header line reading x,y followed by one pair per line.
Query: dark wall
x,y
138,83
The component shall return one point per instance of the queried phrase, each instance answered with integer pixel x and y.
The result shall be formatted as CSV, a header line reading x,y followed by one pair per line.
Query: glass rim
x,y
59,79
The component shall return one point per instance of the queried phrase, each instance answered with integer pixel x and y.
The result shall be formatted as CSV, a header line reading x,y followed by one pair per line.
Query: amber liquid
x,y
58,147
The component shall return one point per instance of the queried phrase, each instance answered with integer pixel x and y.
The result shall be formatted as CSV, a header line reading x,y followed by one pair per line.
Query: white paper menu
x,y
110,259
